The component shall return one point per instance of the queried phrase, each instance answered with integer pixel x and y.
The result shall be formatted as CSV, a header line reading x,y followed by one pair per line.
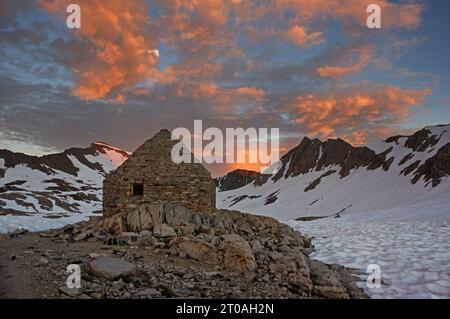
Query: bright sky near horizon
x,y
308,67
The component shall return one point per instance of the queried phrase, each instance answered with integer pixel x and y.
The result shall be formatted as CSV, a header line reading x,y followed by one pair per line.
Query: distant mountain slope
x,y
331,178
238,178
56,185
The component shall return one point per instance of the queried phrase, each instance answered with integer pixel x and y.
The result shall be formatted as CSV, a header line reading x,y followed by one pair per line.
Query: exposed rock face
x,y
316,182
259,247
317,155
421,140
436,167
240,177
150,175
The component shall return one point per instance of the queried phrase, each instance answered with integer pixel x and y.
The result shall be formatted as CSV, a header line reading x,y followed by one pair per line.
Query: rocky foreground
x,y
167,251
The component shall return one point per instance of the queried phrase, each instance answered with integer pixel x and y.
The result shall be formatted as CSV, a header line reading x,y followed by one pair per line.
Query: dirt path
x,y
15,281
31,266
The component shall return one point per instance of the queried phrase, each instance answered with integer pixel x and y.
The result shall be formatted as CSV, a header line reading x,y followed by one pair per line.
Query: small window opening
x,y
138,189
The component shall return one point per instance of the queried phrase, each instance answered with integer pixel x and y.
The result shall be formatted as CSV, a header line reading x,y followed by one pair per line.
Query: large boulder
x,y
195,249
181,216
156,211
133,221
111,268
237,253
144,217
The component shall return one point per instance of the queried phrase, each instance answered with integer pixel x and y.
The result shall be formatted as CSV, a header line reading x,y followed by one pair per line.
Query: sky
x,y
308,67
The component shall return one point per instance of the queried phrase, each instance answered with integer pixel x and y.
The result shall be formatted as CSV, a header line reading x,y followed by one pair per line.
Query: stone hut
x,y
150,176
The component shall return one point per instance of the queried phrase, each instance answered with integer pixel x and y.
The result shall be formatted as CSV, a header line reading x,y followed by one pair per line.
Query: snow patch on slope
x,y
39,199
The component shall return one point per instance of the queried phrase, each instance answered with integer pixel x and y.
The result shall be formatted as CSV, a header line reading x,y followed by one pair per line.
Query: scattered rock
x,y
129,238
17,232
149,293
145,233
69,292
164,231
115,224
93,255
187,230
83,236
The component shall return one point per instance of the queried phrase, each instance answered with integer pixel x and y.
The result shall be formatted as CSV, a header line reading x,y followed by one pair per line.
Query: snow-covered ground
x,y
39,222
411,244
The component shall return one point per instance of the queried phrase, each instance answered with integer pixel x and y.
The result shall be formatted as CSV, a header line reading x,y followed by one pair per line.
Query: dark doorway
x,y
138,189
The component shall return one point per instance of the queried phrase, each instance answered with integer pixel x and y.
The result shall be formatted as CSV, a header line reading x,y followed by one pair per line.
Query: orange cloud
x,y
202,21
123,50
364,56
231,101
394,15
205,91
203,35
355,115
251,92
298,36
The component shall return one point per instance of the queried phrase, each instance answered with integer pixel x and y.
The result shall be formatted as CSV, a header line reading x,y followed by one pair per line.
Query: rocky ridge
x,y
316,155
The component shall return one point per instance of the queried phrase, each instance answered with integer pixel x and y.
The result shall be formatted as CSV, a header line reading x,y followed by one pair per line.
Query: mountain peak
x,y
102,146
316,155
